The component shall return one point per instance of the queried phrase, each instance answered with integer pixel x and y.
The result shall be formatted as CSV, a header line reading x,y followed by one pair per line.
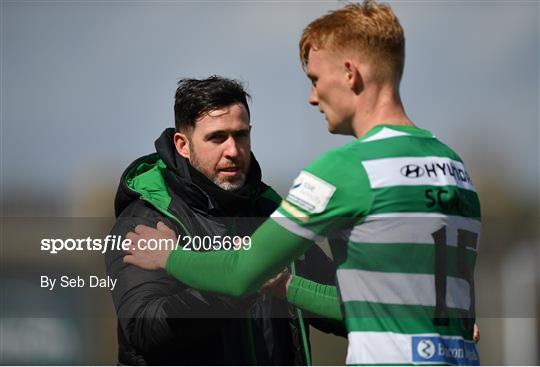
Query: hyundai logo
x,y
412,171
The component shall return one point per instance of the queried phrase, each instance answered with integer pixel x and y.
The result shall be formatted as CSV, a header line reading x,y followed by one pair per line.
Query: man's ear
x,y
353,75
181,142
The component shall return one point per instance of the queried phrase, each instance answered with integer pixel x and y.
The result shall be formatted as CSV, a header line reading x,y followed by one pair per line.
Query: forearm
x,y
238,272
319,299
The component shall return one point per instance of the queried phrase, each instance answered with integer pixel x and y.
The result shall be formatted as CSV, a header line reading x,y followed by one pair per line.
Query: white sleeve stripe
x,y
295,228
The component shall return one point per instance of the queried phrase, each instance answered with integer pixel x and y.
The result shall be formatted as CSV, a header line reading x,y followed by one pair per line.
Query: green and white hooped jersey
x,y
403,220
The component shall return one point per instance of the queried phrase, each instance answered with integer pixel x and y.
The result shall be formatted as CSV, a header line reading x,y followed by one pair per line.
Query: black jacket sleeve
x,y
154,310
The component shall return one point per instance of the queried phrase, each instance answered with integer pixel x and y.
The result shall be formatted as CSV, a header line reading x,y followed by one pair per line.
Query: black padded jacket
x,y
161,320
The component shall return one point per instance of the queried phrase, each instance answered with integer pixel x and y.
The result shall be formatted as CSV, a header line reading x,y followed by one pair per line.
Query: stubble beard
x,y
223,184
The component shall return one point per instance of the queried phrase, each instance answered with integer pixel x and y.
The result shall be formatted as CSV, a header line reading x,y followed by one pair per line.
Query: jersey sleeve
x,y
240,272
329,195
319,299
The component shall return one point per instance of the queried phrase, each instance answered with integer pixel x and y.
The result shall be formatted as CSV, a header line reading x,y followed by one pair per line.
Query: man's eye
x,y
217,138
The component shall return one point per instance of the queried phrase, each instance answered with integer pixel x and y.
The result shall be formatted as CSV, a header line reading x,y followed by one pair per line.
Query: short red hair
x,y
371,29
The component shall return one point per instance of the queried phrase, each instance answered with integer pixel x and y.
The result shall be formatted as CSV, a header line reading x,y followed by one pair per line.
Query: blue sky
x,y
87,86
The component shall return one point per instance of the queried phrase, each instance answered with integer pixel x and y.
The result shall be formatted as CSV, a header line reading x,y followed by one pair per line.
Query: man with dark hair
x,y
204,182
208,148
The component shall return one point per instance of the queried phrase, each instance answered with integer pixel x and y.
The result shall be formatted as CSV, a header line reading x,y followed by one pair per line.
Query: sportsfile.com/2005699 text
x,y
115,243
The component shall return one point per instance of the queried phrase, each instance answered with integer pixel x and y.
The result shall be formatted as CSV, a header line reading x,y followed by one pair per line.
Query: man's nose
x,y
231,147
313,98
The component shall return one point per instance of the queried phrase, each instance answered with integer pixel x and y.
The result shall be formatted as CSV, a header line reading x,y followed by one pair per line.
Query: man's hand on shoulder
x,y
150,247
